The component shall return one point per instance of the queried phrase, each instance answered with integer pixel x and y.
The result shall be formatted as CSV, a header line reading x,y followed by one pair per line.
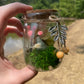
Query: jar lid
x,y
40,13
41,10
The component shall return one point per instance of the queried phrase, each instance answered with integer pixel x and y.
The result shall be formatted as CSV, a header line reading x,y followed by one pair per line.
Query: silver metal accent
x,y
56,38
60,33
64,37
63,32
64,27
51,28
53,33
62,41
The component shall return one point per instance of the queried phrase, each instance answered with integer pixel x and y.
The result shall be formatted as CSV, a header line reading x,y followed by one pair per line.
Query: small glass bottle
x,y
39,47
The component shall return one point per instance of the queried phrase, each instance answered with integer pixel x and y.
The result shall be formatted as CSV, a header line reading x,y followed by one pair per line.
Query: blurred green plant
x,y
67,8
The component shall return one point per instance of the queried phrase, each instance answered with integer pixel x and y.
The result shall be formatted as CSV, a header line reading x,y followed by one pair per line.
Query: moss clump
x,y
43,58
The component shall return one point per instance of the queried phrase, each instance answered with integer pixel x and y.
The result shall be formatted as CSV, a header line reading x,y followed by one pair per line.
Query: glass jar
x,y
42,39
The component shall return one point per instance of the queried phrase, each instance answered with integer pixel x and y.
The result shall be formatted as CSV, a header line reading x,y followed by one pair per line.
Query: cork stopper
x,y
41,10
40,14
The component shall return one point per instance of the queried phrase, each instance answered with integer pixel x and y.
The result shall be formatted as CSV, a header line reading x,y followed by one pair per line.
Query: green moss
x,y
43,58
49,41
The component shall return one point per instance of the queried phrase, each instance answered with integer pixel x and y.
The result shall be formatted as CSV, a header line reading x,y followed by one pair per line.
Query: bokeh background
x,y
67,8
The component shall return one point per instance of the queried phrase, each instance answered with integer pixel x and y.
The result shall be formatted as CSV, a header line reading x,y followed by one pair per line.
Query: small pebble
x,y
50,68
